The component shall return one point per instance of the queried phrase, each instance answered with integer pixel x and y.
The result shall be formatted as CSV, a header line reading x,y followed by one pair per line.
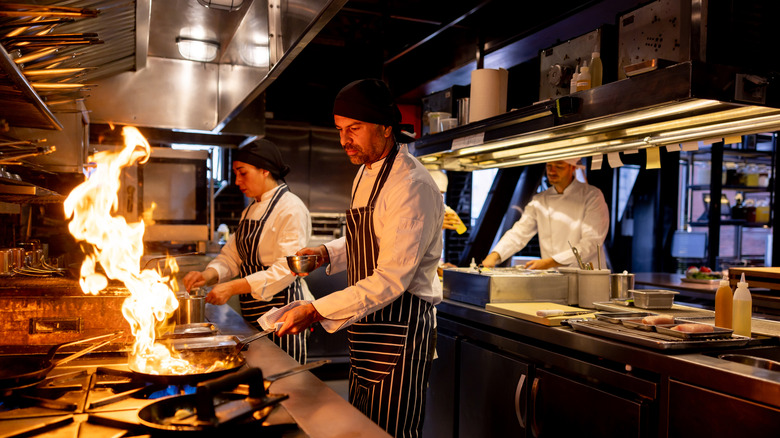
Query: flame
x,y
118,247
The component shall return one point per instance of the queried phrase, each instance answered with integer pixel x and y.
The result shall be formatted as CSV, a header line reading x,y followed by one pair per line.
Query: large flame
x,y
118,247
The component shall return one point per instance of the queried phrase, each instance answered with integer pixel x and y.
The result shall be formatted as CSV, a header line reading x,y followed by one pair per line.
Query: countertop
x,y
318,410
701,367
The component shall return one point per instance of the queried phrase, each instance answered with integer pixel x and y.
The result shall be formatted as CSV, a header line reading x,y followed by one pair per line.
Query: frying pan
x,y
19,371
203,353
212,407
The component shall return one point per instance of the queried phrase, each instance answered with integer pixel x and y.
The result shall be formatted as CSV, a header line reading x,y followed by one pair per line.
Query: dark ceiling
x,y
409,44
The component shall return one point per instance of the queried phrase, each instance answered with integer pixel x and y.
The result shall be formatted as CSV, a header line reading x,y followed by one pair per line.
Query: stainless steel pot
x,y
621,283
192,307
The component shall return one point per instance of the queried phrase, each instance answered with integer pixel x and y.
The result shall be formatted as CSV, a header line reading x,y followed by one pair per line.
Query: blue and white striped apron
x,y
390,350
248,244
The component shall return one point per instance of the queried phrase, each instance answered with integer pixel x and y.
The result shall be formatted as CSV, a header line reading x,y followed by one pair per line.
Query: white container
x,y
447,123
592,287
434,121
571,275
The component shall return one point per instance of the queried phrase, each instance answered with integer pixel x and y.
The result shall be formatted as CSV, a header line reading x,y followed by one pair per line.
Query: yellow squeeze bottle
x,y
723,304
743,309
460,228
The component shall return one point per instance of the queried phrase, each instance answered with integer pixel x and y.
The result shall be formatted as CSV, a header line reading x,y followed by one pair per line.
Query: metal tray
x,y
192,330
638,324
618,317
717,332
658,341
713,282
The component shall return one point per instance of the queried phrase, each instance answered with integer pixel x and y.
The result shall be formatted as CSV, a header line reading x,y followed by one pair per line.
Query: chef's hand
x,y
542,264
222,292
198,279
451,221
298,319
320,251
491,260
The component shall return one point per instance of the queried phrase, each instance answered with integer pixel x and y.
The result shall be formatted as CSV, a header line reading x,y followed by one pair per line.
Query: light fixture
x,y
224,5
255,55
197,50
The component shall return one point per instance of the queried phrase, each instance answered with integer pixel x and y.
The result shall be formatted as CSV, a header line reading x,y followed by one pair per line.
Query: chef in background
x,y
569,211
390,253
252,264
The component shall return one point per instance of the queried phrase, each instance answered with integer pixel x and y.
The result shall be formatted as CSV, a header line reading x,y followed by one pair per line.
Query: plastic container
x,y
653,298
723,304
592,287
434,119
447,123
573,83
596,69
583,79
742,309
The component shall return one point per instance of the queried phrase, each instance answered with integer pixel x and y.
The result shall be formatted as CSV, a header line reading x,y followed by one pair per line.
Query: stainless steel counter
x,y
318,410
700,368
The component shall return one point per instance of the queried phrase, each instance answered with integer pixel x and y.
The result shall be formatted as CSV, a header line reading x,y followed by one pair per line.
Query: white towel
x,y
268,320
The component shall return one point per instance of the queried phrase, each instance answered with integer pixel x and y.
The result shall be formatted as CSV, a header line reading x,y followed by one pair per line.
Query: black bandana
x,y
370,100
263,154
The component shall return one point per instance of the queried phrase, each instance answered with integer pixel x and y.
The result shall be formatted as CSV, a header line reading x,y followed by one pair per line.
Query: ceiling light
x,y
224,5
197,50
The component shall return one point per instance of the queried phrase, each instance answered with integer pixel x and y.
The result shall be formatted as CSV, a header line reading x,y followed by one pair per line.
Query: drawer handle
x,y
518,391
534,393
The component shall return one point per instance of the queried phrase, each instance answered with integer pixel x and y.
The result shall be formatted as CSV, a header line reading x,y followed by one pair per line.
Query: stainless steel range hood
x,y
168,91
683,103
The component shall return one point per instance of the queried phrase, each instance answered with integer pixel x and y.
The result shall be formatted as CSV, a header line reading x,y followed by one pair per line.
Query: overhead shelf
x,y
685,102
21,105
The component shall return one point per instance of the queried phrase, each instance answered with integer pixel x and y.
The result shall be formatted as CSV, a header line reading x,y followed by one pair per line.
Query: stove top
x,y
101,397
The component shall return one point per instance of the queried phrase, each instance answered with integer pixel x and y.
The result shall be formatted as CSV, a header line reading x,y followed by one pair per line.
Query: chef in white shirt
x,y
569,211
391,251
252,264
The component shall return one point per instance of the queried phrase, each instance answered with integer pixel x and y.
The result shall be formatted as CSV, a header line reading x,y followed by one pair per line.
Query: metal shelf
x,y
21,104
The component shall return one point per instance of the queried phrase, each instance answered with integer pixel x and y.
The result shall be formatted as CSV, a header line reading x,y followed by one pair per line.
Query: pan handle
x,y
107,338
205,392
296,370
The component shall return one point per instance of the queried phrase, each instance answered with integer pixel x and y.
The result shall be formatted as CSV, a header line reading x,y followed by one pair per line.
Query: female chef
x,y
252,264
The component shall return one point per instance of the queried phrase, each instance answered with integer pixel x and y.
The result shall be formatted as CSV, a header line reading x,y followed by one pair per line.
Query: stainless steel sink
x,y
754,361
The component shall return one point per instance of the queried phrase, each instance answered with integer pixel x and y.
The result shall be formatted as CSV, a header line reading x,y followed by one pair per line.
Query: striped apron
x,y
248,245
390,350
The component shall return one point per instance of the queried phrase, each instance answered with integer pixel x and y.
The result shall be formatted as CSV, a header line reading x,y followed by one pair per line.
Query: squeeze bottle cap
x,y
725,281
742,282
595,54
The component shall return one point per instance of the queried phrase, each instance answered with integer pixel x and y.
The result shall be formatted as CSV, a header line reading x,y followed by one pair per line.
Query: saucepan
x,y
19,371
214,406
210,357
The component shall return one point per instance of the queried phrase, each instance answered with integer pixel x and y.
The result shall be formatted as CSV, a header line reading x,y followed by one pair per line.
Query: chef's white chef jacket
x,y
408,215
578,215
286,230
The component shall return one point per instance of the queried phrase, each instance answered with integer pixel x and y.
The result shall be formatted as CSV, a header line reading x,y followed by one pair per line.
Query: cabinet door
x,y
695,411
493,393
561,406
440,399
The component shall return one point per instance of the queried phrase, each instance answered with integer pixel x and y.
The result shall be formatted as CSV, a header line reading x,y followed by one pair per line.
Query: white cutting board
x,y
527,311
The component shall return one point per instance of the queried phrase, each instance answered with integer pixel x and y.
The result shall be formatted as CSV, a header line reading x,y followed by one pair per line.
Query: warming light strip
x,y
741,127
592,138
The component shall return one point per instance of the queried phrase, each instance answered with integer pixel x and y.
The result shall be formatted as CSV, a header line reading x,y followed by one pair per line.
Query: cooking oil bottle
x,y
596,69
723,304
743,309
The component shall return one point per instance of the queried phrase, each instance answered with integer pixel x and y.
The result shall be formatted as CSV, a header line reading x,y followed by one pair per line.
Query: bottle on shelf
x,y
596,68
573,83
723,304
583,79
742,309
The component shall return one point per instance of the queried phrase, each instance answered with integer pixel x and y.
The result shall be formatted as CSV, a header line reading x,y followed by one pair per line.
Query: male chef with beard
x,y
391,251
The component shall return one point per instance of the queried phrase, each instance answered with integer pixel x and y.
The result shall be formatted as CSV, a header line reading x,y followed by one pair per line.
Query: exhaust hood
x,y
687,102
